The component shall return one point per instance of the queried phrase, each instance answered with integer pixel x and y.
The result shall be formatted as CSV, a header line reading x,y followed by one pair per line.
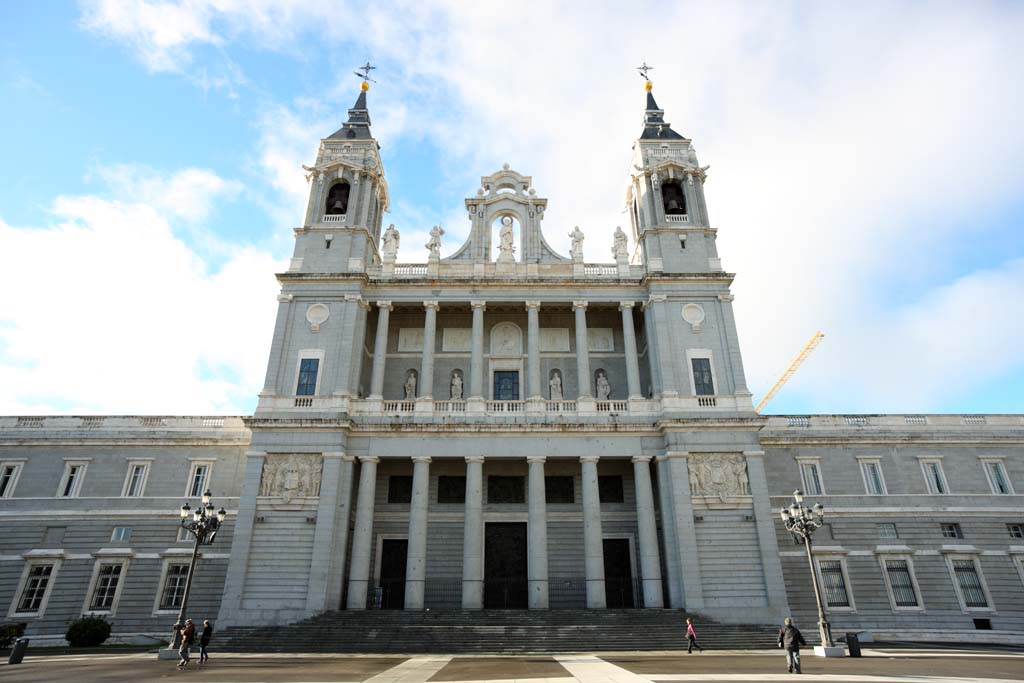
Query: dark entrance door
x,y
618,573
506,385
505,565
392,573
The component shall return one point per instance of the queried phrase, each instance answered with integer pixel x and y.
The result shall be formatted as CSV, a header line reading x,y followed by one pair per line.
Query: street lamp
x,y
202,523
803,521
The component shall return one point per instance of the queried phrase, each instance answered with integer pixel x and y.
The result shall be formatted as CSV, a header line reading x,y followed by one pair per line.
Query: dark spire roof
x,y
655,127
358,125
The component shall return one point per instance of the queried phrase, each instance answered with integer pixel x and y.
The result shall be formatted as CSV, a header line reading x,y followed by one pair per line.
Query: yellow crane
x,y
800,358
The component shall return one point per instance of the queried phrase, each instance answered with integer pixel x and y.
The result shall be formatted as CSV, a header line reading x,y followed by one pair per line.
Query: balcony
x,y
334,218
677,218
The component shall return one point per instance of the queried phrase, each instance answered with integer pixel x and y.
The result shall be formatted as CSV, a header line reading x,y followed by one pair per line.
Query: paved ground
x,y
877,666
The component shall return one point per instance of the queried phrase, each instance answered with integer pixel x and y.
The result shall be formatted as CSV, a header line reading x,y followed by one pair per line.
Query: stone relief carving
x,y
316,315
694,315
506,340
410,339
600,339
718,474
554,339
457,339
291,476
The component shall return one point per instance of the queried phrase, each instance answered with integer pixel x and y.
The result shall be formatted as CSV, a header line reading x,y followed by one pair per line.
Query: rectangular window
x,y
901,582
887,530
811,477
308,368
400,489
952,530
1015,530
559,490
934,477
997,479
8,477
451,490
834,583
509,490
136,479
197,480
970,583
174,586
121,534
873,482
610,489
35,588
72,480
703,385
108,577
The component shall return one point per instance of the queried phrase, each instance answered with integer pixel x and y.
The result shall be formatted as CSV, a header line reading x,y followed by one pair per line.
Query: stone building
x,y
509,427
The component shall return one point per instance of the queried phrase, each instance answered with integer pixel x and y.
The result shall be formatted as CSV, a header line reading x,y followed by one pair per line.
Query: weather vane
x,y
643,69
365,69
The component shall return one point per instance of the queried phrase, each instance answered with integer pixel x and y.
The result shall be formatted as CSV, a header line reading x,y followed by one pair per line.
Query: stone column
x,y
476,363
593,541
686,533
537,528
380,349
767,541
650,558
238,565
653,364
426,387
629,348
330,538
668,533
582,350
533,350
362,537
416,559
473,535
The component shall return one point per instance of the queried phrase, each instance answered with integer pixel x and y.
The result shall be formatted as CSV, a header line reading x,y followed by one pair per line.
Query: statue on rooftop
x,y
620,249
576,251
506,248
389,249
434,245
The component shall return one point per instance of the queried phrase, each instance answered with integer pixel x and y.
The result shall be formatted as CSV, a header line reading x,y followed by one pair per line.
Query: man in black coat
x,y
791,639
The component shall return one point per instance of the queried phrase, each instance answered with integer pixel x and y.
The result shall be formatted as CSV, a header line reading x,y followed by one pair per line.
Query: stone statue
x,y
604,389
456,387
410,385
506,249
620,249
434,245
555,386
576,251
390,246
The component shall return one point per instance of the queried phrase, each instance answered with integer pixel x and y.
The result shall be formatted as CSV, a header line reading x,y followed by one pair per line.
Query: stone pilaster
x,y
650,560
426,387
766,538
362,538
593,540
537,528
473,535
534,391
476,363
380,349
629,348
668,533
330,538
238,565
582,351
686,533
416,559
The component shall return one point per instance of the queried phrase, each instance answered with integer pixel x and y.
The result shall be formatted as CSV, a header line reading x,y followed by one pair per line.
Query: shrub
x,y
88,632
9,633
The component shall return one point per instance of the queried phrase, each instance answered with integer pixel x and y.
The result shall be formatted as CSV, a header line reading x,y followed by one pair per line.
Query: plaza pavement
x,y
877,666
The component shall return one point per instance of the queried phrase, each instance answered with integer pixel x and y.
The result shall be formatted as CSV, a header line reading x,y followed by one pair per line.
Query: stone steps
x,y
493,631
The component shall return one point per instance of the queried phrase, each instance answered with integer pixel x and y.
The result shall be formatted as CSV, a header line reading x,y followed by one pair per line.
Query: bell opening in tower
x,y
673,198
337,199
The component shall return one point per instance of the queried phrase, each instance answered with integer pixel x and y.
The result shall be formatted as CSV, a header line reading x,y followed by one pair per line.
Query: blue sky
x,y
866,177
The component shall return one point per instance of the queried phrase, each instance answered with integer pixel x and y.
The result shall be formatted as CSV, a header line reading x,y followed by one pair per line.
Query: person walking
x,y
188,635
204,641
791,639
691,637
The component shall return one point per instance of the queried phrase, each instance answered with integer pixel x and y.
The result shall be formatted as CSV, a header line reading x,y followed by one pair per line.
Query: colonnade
x,y
534,383
473,536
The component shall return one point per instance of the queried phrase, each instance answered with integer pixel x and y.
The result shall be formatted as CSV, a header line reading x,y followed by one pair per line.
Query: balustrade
x,y
334,218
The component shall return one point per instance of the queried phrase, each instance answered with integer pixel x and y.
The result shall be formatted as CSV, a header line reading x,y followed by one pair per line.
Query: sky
x,y
866,177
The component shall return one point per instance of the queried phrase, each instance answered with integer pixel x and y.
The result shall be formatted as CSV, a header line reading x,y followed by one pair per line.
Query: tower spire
x,y
358,125
655,126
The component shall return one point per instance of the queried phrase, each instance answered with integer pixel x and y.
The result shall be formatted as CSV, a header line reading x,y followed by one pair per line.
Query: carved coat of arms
x,y
291,476
718,474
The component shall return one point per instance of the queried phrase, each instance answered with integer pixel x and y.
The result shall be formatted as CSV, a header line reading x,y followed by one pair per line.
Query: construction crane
x,y
800,358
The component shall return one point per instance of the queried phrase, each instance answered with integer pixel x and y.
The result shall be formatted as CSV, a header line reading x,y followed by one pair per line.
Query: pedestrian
x,y
791,639
204,641
188,635
691,637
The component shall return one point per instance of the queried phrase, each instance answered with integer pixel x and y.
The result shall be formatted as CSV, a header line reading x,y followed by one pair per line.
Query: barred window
x,y
106,587
952,530
901,582
35,588
970,583
834,582
1015,530
174,586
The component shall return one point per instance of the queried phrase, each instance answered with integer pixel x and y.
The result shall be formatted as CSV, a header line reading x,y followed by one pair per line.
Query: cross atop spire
x,y
643,69
365,69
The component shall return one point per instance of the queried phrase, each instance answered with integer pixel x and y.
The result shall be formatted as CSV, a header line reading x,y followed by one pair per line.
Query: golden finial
x,y
643,69
648,86
365,85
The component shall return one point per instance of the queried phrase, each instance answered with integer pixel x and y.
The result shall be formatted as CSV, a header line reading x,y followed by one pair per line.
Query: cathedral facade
x,y
510,427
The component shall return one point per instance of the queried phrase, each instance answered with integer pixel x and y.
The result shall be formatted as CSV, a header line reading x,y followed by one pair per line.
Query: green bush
x,y
88,632
9,633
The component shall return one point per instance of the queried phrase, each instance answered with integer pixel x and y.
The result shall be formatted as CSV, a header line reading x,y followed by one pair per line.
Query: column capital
x,y
536,459
589,458
626,305
655,299
256,454
369,458
753,454
726,297
353,298
385,304
340,455
474,459
640,458
579,305
482,305
284,298
532,305
677,454
421,458
436,305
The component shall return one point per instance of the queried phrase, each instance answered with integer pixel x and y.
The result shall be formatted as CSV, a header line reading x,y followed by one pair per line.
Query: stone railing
x,y
504,407
613,406
334,218
468,270
560,406
600,269
399,406
449,406
410,269
901,422
100,422
677,218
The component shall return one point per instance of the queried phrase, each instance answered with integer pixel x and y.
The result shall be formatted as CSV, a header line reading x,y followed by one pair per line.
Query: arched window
x,y
337,200
673,198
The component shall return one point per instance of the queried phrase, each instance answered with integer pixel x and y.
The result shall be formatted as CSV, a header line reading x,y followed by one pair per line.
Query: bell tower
x,y
348,196
665,199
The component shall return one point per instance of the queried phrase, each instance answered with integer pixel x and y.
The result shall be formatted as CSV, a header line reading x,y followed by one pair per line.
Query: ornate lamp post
x,y
803,521
202,523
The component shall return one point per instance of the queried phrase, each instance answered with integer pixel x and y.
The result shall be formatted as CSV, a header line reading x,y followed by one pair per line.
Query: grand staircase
x,y
493,631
